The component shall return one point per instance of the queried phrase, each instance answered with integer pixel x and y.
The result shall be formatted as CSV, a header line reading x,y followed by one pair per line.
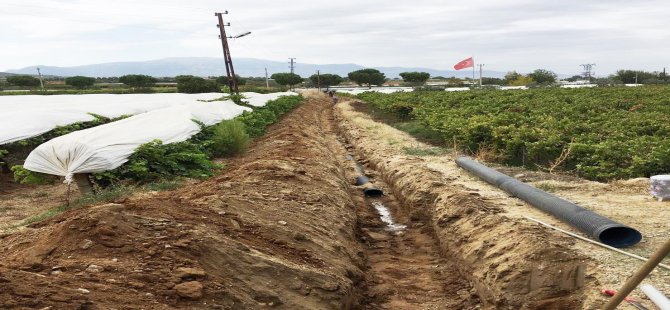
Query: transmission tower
x,y
292,63
588,74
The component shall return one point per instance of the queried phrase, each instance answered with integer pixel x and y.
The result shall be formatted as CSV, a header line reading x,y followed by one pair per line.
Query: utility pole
x,y
635,77
292,63
473,72
230,71
480,74
267,81
42,83
587,71
318,79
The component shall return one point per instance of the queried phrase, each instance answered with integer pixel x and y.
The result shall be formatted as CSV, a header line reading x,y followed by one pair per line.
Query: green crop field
x,y
599,133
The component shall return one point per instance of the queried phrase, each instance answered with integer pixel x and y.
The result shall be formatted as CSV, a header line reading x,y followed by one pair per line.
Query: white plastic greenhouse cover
x,y
28,116
108,146
259,100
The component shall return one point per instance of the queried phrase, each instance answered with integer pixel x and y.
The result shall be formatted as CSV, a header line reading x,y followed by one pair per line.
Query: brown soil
x,y
405,269
17,202
276,228
624,201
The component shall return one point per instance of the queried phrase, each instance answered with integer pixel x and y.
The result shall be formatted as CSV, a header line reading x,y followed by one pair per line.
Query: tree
x,y
511,77
367,77
629,76
193,85
23,80
79,81
223,80
574,78
492,81
138,80
326,79
542,76
415,78
522,80
287,79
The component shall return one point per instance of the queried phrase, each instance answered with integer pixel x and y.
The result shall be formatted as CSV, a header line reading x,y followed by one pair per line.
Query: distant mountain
x,y
203,66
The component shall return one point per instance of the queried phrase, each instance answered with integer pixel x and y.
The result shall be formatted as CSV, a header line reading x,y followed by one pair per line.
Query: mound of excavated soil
x,y
276,228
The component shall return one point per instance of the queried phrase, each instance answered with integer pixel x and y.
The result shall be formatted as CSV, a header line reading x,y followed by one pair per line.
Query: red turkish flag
x,y
466,63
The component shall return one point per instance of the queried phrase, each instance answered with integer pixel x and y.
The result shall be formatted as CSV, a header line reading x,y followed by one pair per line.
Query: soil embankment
x,y
275,228
511,264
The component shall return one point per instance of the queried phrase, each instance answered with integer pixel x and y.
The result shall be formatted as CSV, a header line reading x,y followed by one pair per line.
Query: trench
x,y
404,267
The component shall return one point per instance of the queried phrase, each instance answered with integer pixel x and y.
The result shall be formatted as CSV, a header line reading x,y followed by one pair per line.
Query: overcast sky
x,y
504,35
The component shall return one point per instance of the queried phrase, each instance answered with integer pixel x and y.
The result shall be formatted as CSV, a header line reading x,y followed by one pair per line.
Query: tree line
x,y
363,77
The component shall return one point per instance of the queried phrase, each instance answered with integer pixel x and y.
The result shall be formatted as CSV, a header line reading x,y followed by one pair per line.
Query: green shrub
x,y
229,138
193,85
25,176
155,161
258,120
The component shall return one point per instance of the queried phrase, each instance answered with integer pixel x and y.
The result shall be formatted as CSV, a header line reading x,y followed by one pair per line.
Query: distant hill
x,y
203,66
5,74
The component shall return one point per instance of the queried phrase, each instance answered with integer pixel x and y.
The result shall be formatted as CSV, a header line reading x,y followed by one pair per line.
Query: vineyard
x,y
599,134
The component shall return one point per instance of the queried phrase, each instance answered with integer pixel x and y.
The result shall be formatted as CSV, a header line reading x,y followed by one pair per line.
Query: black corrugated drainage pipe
x,y
368,189
598,227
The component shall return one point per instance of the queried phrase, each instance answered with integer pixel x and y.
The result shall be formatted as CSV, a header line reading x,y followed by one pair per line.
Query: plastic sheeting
x,y
108,146
260,100
660,186
28,116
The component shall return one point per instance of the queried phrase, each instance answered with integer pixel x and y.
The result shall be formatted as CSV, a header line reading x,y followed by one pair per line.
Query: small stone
x,y
191,290
135,284
56,272
94,268
115,260
190,273
86,244
282,222
331,287
83,290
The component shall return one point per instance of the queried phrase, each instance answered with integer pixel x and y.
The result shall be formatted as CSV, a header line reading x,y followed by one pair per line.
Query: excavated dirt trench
x,y
510,264
285,227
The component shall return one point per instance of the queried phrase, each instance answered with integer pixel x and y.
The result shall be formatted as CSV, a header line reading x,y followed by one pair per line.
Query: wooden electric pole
x,y
230,71
40,75
267,81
